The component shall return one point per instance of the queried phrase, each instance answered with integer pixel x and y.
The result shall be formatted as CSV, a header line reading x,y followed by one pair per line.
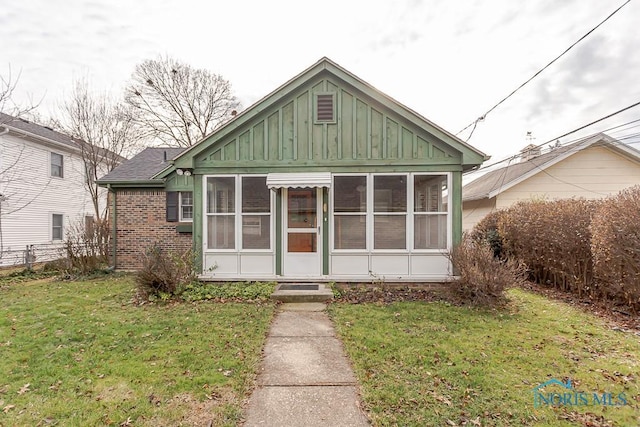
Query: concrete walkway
x,y
305,378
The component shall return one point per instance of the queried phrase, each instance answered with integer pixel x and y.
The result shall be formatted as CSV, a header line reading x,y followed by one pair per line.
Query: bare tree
x,y
106,133
8,105
178,104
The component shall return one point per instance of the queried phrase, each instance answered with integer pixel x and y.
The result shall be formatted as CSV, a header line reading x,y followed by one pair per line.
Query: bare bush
x,y
552,238
482,278
165,273
615,245
85,247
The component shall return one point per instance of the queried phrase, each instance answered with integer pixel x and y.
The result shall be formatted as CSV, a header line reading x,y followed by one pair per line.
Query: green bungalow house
x,y
326,178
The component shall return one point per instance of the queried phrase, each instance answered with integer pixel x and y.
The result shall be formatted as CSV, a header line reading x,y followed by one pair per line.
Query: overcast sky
x,y
448,60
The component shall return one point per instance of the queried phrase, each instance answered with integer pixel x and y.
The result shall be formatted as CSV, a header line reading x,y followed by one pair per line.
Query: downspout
x,y
5,131
114,235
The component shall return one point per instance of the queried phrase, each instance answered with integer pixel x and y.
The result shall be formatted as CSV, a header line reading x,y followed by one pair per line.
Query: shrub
x,y
244,291
481,278
552,239
615,245
85,248
165,273
487,231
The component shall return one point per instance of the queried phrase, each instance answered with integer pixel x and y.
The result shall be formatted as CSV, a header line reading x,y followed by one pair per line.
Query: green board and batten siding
x,y
365,137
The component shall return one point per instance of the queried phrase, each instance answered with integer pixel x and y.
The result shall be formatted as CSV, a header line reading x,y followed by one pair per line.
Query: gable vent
x,y
324,108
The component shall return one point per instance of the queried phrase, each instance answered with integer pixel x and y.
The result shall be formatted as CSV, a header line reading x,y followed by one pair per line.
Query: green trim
x,y
184,228
279,232
456,208
198,221
115,228
325,231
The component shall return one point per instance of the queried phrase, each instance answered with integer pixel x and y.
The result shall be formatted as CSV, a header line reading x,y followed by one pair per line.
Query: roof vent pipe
x,y
165,156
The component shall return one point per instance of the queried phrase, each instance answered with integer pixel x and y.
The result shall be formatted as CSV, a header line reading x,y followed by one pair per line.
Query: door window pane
x,y
350,232
301,208
221,232
302,242
390,232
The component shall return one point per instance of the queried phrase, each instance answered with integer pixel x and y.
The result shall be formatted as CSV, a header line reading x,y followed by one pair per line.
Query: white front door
x,y
302,240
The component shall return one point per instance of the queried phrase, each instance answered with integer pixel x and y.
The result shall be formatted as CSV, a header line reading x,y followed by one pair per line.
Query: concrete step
x,y
302,292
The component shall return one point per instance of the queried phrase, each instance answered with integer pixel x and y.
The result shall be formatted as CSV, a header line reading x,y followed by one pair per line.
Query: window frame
x,y
410,214
363,215
238,215
446,212
53,226
52,165
181,217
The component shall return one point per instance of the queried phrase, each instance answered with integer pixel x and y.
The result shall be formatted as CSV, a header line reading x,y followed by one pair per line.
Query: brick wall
x,y
141,223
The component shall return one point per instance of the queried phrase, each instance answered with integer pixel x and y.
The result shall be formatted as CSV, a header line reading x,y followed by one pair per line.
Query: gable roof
x,y
143,166
47,135
497,181
471,157
28,128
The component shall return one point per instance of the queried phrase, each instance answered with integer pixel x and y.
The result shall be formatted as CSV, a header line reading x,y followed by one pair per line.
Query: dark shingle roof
x,y
496,181
143,166
19,124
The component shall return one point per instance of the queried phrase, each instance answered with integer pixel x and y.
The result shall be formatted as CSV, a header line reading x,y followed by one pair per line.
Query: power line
x,y
608,116
482,117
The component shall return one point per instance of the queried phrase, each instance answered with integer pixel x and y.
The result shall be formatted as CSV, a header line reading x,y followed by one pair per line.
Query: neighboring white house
x,y
42,189
593,167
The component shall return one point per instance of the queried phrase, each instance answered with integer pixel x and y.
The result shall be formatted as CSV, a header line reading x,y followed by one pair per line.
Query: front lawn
x,y
437,364
81,353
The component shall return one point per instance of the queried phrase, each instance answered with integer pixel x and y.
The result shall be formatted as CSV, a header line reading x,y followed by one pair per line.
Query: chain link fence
x,y
31,254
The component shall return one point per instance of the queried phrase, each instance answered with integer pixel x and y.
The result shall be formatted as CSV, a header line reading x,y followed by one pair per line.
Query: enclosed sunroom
x,y
326,178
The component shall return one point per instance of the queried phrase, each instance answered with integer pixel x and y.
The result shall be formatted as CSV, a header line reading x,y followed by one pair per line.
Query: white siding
x,y
32,195
592,173
473,211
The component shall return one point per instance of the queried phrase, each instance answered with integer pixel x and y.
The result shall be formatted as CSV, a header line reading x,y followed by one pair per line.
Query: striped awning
x,y
299,180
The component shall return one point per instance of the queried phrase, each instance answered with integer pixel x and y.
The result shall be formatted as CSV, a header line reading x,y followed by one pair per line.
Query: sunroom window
x,y
246,226
256,213
221,211
390,212
350,212
430,212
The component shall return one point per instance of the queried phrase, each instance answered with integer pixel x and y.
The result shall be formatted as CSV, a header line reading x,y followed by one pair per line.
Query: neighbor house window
x,y
186,206
256,213
390,212
221,209
430,212
350,212
57,165
56,227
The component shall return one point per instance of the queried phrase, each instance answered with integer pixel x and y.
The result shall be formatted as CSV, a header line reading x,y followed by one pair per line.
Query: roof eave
x,y
147,183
